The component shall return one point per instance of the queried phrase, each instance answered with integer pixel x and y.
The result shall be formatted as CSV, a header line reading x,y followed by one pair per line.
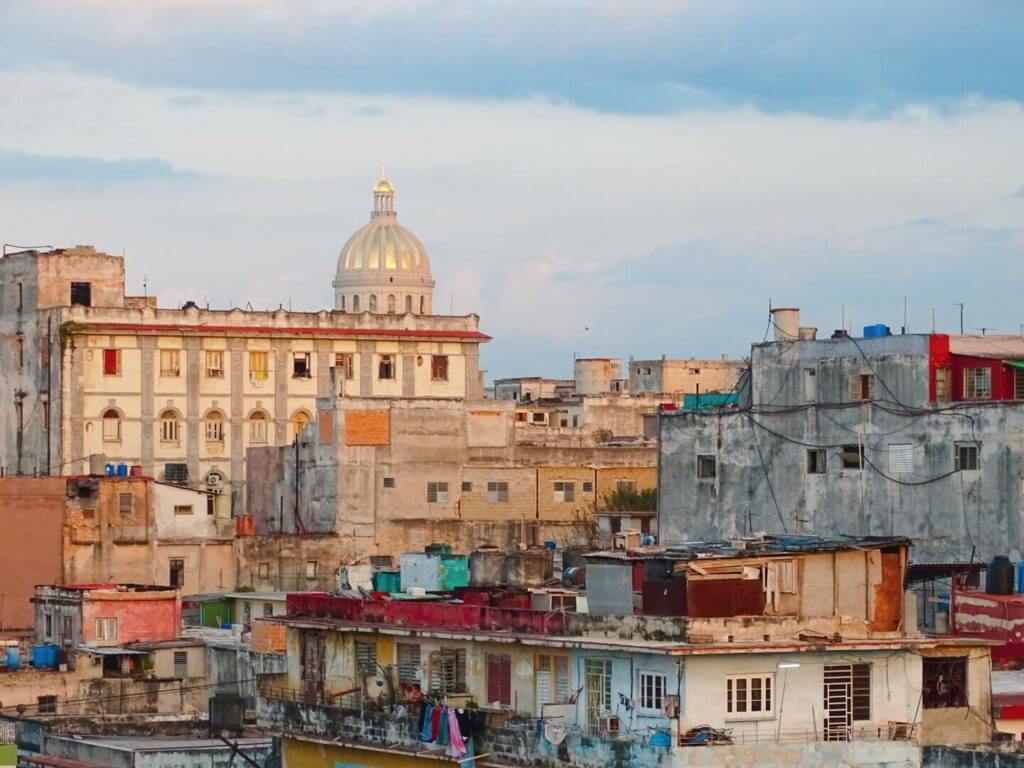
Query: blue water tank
x,y
661,738
44,656
122,470
13,659
109,469
1020,578
876,331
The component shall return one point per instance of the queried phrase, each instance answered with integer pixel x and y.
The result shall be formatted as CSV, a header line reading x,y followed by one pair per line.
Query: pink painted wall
x,y
141,617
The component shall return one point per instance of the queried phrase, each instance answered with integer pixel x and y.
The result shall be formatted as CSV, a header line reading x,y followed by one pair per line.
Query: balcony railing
x,y
706,736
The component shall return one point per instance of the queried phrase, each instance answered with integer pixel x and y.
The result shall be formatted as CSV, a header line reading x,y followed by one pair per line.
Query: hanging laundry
x,y
442,734
425,729
435,723
455,735
554,732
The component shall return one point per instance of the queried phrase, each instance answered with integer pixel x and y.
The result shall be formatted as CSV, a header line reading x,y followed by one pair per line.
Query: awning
x,y
1014,363
111,651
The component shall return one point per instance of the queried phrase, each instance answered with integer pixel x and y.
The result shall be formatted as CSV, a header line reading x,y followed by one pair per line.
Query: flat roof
x,y
761,545
279,597
160,744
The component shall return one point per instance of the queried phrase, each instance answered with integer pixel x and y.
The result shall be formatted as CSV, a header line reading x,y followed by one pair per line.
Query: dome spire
x,y
383,196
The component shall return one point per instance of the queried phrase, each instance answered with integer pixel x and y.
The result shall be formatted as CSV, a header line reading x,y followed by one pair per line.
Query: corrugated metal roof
x,y
761,545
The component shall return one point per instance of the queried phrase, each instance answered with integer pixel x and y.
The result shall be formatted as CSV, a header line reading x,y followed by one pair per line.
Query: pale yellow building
x,y
183,393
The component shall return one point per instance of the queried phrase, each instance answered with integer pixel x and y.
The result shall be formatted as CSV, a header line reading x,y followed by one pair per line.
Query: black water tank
x,y
999,580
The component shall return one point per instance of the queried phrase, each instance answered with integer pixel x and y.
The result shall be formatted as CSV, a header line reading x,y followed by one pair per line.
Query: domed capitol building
x,y
182,393
383,266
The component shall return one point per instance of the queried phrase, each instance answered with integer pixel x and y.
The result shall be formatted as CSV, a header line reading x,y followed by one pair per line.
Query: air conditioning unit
x,y
214,479
609,723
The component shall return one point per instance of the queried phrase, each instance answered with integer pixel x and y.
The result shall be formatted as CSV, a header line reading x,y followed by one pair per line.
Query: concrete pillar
x,y
282,374
193,418
146,346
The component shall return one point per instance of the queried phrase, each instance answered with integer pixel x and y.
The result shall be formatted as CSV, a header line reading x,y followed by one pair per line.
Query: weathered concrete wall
x,y
235,668
981,756
863,754
952,515
32,516
163,754
682,377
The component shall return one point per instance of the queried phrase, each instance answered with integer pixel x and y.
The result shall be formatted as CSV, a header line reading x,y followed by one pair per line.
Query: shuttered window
x,y
901,458
366,657
408,663
448,671
499,679
551,680
861,386
181,664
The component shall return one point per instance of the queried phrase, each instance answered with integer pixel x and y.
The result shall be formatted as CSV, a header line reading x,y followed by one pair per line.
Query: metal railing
x,y
892,731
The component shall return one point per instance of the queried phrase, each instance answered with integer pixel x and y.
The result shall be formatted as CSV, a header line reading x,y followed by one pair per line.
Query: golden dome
x,y
383,186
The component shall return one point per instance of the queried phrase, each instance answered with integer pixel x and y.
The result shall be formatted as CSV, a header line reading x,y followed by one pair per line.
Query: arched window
x,y
421,305
111,426
408,303
373,303
215,427
258,428
342,306
391,303
355,303
299,420
170,428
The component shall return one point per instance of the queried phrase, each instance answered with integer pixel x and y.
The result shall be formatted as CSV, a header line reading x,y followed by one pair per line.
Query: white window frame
x,y
258,428
170,428
978,383
497,491
901,458
437,493
653,691
213,427
960,445
214,364
106,628
111,426
563,491
170,363
732,708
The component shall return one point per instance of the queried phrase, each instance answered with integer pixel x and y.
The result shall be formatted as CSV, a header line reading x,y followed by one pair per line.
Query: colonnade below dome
x,y
388,302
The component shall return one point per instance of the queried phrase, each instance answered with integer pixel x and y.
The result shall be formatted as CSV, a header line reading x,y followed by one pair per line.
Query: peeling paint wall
x,y
955,515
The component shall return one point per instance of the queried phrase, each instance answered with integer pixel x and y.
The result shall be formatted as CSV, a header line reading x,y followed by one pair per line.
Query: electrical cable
x,y
768,479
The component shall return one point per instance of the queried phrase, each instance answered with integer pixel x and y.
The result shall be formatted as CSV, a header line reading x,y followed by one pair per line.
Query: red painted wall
x,y
938,357
1002,375
142,617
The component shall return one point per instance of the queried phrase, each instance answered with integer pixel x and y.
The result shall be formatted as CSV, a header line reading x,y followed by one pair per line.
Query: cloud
x,y
659,233
22,166
642,56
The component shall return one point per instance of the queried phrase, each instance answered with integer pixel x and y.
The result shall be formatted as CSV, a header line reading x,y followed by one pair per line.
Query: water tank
x,y
45,656
109,470
787,323
808,333
531,568
876,331
13,659
136,470
1000,578
122,470
96,464
487,567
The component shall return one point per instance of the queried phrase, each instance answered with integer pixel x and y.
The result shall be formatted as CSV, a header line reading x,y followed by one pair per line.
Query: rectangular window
x,y
588,486
564,492
386,367
901,458
181,664
311,569
214,429
211,503
258,368
437,493
302,365
598,689
968,457
945,682
862,386
215,364
366,658
19,350
810,385
170,362
862,692
170,431
106,629
176,573
19,296
81,294
125,503
625,486
977,383
111,427
448,671
817,461
48,626
268,609
852,456
652,692
749,697
111,362
1018,384
439,367
497,492
707,466
467,487
46,705
344,361
499,679
263,571
389,482
183,509
540,418
408,658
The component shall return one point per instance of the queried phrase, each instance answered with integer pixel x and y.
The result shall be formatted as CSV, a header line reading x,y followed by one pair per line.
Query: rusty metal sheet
x,y
722,598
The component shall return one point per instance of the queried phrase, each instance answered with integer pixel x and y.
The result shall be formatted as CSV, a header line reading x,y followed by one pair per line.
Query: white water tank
x,y
787,323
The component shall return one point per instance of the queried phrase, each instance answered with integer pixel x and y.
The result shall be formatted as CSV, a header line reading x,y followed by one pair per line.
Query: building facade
x,y
675,378
183,393
917,435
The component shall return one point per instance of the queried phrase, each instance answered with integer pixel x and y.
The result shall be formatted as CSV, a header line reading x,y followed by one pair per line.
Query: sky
x,y
591,177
